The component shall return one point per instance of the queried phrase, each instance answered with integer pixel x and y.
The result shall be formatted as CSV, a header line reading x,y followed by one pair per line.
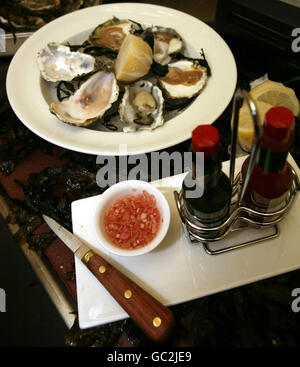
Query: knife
x,y
156,320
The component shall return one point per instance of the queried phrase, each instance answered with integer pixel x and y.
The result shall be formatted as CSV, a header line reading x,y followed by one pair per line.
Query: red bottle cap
x,y
279,123
206,138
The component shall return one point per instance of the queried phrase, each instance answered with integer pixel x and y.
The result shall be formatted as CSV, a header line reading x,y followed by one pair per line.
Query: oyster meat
x,y
185,79
58,63
90,101
141,107
112,33
166,42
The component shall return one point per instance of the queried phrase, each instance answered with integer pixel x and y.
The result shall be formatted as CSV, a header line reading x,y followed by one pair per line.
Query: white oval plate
x,y
28,102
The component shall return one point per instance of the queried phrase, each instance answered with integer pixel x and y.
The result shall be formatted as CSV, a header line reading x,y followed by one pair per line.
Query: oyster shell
x,y
40,6
58,63
141,107
185,79
112,33
32,14
90,101
166,42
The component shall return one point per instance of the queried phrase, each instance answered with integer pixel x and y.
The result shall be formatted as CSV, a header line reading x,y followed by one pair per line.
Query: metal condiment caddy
x,y
240,217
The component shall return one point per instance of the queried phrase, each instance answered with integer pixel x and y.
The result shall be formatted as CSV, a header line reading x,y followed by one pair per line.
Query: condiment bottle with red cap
x,y
271,177
207,191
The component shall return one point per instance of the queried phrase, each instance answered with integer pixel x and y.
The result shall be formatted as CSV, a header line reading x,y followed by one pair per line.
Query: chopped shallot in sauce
x,y
132,221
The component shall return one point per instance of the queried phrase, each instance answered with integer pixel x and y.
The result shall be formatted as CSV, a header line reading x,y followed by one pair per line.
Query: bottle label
x,y
271,161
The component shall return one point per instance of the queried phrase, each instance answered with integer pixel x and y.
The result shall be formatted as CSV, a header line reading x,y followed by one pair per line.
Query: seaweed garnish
x,y
100,336
138,27
148,37
159,69
178,104
106,122
93,50
49,192
203,62
17,141
52,190
28,222
64,90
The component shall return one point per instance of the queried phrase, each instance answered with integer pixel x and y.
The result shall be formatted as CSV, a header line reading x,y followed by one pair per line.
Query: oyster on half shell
x,y
112,33
58,63
141,107
185,79
166,42
90,101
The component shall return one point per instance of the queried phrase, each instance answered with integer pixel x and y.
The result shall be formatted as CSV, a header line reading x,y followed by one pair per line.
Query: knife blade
x,y
155,319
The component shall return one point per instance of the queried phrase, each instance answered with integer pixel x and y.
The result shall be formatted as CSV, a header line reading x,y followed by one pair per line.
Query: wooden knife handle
x,y
156,320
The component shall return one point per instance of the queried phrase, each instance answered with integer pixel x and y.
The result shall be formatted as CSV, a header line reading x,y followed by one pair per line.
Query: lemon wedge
x,y
134,59
276,94
245,127
266,95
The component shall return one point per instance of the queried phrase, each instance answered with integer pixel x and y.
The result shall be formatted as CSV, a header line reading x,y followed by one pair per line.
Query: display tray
x,y
178,271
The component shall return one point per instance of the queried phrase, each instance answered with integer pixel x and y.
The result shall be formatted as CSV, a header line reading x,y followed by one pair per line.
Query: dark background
x,y
31,319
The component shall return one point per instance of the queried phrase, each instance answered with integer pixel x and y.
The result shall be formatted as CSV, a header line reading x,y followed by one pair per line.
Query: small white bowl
x,y
119,190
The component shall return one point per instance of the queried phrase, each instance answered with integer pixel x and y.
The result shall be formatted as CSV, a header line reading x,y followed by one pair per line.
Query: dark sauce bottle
x,y
211,206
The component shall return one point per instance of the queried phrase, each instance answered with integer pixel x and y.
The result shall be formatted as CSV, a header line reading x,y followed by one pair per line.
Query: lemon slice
x,y
134,59
245,127
276,94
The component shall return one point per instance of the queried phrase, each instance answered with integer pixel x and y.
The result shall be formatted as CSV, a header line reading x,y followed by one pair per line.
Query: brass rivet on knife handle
x,y
102,269
128,294
157,321
87,257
